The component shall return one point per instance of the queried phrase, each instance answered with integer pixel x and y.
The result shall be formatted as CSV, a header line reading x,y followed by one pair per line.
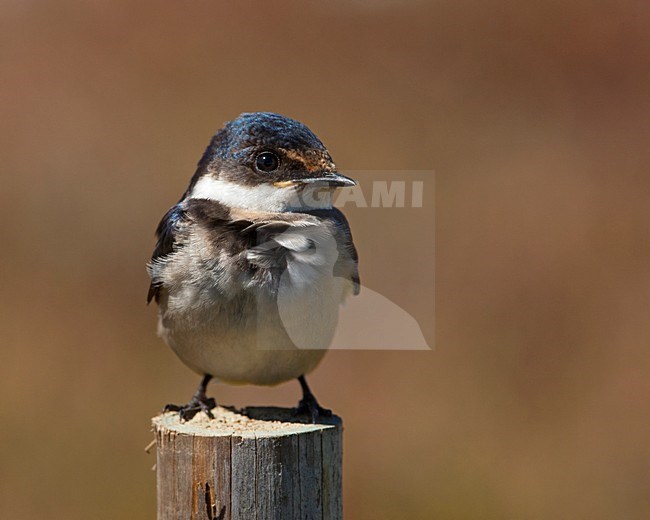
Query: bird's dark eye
x,y
267,162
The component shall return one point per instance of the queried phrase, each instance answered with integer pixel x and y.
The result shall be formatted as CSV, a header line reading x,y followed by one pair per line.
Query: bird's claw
x,y
309,406
196,405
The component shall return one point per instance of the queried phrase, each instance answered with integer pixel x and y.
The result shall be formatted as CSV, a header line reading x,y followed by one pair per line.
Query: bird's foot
x,y
309,406
197,404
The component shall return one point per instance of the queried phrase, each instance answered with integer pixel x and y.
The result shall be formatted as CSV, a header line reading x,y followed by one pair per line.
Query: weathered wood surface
x,y
256,465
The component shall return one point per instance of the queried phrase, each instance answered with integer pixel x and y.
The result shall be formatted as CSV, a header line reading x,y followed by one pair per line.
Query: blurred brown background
x,y
534,115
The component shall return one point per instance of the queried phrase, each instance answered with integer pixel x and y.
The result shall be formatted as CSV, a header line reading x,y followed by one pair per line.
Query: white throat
x,y
264,197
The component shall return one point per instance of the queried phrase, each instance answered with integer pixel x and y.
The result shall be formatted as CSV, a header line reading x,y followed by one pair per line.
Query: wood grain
x,y
257,464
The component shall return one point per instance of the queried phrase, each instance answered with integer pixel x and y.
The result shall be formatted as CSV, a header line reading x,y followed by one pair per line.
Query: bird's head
x,y
267,162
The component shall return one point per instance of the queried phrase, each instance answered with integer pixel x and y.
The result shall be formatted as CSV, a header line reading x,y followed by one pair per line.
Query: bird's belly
x,y
257,340
238,357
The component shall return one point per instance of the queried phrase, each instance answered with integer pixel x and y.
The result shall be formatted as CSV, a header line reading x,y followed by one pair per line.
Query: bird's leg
x,y
308,405
200,402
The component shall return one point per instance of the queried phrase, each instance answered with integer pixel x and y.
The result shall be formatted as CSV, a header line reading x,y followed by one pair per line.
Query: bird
x,y
251,265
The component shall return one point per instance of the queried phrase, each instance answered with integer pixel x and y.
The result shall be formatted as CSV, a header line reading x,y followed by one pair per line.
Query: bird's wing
x,y
166,233
350,251
348,263
261,244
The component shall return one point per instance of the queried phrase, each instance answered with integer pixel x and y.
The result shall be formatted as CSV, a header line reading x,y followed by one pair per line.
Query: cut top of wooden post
x,y
266,421
256,464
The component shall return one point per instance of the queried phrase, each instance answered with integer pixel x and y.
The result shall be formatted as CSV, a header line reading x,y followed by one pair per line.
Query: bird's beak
x,y
333,179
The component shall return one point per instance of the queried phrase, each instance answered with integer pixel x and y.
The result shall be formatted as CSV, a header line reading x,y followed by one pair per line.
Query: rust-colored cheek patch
x,y
312,160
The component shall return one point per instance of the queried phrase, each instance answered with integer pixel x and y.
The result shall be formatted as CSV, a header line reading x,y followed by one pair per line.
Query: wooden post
x,y
258,464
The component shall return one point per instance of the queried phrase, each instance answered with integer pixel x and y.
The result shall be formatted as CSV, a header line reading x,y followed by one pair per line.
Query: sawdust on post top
x,y
228,421
225,418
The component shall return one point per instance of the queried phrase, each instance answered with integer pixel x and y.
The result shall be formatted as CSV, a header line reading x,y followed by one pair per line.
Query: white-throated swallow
x,y
252,264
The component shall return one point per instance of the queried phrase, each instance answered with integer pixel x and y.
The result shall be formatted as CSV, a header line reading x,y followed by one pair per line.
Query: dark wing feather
x,y
166,232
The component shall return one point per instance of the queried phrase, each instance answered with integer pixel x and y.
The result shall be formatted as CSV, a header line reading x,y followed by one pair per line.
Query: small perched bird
x,y
251,265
